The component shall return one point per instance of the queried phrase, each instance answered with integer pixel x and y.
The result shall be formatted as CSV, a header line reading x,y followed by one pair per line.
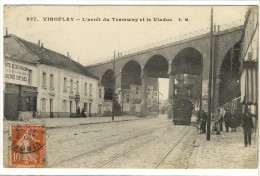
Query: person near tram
x,y
248,126
218,122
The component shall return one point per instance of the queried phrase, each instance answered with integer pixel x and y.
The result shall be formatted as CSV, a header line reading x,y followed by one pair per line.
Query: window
x,y
127,100
77,87
86,89
64,106
71,85
176,81
43,105
44,79
65,84
30,77
189,92
100,93
90,89
176,91
51,81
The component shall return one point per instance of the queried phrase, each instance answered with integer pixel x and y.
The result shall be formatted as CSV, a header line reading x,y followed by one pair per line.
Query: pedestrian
x,y
227,118
78,111
218,122
83,113
248,126
204,118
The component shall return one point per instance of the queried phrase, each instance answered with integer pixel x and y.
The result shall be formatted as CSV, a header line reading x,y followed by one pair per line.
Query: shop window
x,y
28,103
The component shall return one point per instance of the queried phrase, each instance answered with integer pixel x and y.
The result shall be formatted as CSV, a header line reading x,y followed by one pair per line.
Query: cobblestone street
x,y
131,142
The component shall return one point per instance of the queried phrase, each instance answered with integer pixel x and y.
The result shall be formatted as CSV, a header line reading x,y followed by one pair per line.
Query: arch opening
x,y
229,88
186,71
107,83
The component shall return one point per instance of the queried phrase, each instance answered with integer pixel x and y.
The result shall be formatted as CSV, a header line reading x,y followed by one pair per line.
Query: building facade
x,y
249,61
39,82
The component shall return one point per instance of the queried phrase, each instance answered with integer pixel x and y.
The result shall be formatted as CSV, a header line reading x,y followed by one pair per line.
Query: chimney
x,y
68,54
6,31
42,45
39,42
218,28
214,30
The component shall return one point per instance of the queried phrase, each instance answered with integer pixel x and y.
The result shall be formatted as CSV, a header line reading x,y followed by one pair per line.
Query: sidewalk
x,y
225,151
52,123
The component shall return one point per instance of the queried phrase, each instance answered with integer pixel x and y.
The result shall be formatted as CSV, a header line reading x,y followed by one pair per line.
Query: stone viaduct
x,y
189,56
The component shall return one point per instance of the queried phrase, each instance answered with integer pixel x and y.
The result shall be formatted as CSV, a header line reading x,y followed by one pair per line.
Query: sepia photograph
x,y
130,87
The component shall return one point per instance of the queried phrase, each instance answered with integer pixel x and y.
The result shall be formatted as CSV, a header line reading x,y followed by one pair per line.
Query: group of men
x,y
231,121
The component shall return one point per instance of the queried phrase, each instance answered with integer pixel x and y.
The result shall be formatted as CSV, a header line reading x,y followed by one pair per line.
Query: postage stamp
x,y
27,145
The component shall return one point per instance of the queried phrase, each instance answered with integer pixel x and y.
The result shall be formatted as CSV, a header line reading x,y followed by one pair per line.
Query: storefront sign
x,y
16,72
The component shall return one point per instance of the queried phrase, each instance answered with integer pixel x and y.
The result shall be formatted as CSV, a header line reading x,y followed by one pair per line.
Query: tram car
x,y
181,104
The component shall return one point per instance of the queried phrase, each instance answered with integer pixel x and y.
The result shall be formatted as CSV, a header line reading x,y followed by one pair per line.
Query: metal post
x,y
201,86
114,87
210,75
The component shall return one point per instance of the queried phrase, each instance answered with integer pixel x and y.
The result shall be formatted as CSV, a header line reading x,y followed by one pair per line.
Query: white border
x,y
48,171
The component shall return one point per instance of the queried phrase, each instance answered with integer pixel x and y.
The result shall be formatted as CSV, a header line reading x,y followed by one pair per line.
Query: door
x,y
11,106
89,108
70,108
85,107
51,108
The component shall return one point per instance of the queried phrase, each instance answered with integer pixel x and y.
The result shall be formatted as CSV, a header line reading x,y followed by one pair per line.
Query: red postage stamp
x,y
27,147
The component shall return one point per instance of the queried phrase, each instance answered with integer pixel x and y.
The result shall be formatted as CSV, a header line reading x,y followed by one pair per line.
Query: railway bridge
x,y
188,55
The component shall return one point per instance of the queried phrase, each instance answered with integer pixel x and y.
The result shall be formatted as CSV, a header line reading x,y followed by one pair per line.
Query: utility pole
x,y
210,75
114,86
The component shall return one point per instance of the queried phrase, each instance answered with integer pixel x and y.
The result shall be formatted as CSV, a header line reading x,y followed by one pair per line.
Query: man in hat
x,y
227,118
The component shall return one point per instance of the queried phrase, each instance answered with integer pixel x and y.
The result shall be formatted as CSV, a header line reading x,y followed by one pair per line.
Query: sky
x,y
92,41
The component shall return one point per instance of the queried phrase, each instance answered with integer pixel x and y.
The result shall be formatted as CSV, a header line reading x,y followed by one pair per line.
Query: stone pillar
x,y
143,103
170,94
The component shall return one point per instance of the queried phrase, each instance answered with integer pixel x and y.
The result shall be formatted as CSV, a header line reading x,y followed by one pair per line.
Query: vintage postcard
x,y
130,87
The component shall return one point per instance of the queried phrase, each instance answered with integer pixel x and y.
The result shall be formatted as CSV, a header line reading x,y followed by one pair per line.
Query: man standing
x,y
227,118
203,122
218,122
247,126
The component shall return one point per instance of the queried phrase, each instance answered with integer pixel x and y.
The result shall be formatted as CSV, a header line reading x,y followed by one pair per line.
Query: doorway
x,y
90,105
70,108
51,108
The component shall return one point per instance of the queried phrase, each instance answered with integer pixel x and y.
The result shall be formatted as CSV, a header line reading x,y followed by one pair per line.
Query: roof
x,y
25,51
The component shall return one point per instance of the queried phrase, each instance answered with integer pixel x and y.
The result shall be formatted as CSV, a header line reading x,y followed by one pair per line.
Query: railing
x,y
186,36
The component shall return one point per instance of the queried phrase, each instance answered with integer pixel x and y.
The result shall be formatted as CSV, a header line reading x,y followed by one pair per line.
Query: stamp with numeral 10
x,y
27,145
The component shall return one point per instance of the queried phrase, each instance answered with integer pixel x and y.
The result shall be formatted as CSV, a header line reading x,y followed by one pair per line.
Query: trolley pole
x,y
114,86
210,75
